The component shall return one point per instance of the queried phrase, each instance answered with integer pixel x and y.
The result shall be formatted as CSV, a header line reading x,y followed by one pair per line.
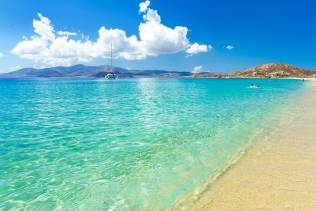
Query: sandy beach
x,y
278,173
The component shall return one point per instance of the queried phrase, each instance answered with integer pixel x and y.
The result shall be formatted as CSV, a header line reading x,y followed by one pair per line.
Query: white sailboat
x,y
111,75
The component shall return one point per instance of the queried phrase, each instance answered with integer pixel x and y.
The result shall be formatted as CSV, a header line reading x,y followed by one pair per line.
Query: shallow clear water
x,y
125,144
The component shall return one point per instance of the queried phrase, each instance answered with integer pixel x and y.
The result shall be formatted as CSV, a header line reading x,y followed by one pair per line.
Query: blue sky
x,y
260,32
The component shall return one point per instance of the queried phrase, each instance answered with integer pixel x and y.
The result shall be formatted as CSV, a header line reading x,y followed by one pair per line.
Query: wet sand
x,y
276,174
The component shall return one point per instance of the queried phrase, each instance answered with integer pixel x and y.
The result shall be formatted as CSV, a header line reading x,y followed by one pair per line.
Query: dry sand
x,y
276,174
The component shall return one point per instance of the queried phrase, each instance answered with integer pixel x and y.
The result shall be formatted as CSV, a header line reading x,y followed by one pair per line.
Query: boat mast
x,y
111,59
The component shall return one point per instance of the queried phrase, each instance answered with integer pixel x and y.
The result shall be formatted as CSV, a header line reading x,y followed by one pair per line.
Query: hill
x,y
273,70
83,71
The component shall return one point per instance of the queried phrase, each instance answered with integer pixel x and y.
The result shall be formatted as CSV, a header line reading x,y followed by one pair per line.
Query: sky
x,y
200,35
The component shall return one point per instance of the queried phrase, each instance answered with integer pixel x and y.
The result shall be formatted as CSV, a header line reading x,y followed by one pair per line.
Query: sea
x,y
128,144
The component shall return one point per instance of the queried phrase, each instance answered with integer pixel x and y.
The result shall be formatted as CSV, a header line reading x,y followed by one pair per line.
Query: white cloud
x,y
197,69
64,33
229,47
48,47
197,48
143,6
43,28
157,38
1,55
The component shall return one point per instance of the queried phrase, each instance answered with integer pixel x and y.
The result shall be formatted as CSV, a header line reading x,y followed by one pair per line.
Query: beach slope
x,y
276,174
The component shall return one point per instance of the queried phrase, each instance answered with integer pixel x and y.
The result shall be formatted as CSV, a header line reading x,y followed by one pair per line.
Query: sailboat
x,y
111,75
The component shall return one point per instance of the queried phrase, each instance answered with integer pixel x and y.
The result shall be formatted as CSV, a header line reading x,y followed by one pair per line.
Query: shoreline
x,y
310,79
263,176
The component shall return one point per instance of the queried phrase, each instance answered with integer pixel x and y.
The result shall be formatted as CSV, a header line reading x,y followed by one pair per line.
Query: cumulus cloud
x,y
229,47
197,69
157,38
1,55
48,47
143,6
197,48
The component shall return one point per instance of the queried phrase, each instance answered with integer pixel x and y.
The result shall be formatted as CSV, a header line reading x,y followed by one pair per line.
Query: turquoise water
x,y
125,144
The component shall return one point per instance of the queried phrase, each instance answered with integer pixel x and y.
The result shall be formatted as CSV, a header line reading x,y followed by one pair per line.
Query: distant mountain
x,y
83,71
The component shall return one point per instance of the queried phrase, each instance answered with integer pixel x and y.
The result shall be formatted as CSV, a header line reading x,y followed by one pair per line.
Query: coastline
x,y
310,79
275,172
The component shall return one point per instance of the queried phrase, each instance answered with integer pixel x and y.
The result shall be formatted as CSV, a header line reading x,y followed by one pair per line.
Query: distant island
x,y
83,71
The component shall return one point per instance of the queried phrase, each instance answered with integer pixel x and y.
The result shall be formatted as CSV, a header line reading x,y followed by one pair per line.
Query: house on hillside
x,y
277,74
